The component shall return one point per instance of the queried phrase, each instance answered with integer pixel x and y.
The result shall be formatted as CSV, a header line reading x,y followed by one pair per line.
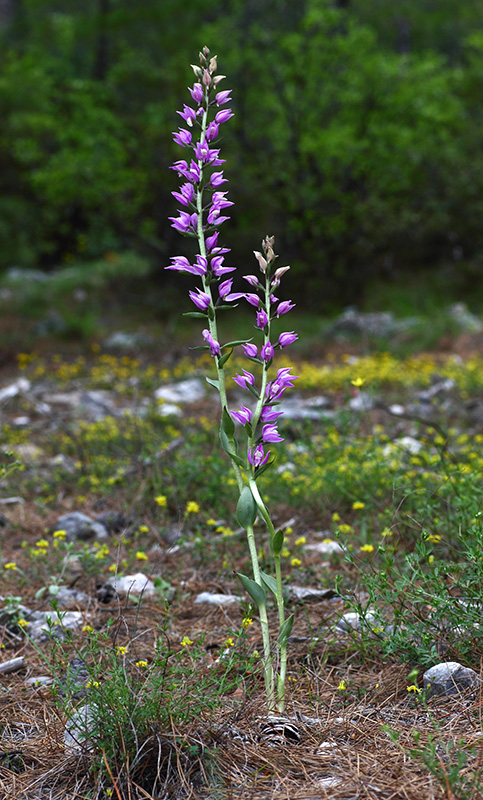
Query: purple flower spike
x,y
258,457
213,344
289,337
284,307
201,300
267,351
270,434
250,350
245,380
242,416
262,319
283,381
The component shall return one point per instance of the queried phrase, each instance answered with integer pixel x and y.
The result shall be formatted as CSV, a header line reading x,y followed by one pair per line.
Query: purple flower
x,y
289,337
181,264
283,381
284,307
257,457
212,241
225,288
201,300
242,416
253,299
214,216
213,344
217,179
267,351
250,350
188,114
203,152
183,137
252,280
186,194
185,222
268,414
223,116
270,434
217,266
212,131
219,200
245,380
197,93
223,97
262,319
201,264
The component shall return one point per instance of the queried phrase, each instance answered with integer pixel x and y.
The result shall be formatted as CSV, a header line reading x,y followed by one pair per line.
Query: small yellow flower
x,y
92,683
367,548
295,562
430,559
414,688
247,622
121,651
10,565
88,628
433,537
59,534
335,517
229,642
386,532
161,500
192,507
342,687
356,505
140,556
345,528
285,552
358,382
288,531
211,521
42,543
23,623
186,641
143,664
300,540
143,529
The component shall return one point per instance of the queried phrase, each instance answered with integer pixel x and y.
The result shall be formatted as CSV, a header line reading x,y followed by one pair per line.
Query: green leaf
x,y
224,359
227,423
256,592
269,582
260,470
246,510
213,382
226,447
277,543
286,629
236,343
197,314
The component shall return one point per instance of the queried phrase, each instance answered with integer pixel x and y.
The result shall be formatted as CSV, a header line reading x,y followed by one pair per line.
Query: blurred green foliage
x,y
356,140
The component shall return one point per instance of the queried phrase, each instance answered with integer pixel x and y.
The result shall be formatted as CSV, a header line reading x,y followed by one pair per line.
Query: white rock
x,y
325,548
168,410
397,409
352,621
450,678
133,584
20,386
44,622
217,599
188,391
39,681
80,726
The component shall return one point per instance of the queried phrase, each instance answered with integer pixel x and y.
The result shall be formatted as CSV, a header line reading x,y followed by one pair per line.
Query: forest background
x,y
357,141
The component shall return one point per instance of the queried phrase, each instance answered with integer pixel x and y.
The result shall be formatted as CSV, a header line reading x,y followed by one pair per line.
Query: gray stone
x,y
378,323
38,681
43,624
12,390
465,319
308,408
309,595
80,526
325,548
80,727
352,621
449,678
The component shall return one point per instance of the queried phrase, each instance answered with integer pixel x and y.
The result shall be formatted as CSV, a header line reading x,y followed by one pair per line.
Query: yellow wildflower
x,y
10,565
143,664
59,534
344,528
88,628
121,651
161,500
335,517
143,529
433,537
358,382
300,540
247,622
186,641
192,507
42,543
342,687
295,562
367,548
356,505
414,688
23,623
140,556
229,642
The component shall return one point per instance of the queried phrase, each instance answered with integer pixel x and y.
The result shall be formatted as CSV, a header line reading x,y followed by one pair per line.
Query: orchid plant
x,y
204,203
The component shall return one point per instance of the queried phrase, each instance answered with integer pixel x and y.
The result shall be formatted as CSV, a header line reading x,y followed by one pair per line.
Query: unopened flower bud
x,y
279,273
212,65
197,70
206,51
267,246
261,261
217,79
206,78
